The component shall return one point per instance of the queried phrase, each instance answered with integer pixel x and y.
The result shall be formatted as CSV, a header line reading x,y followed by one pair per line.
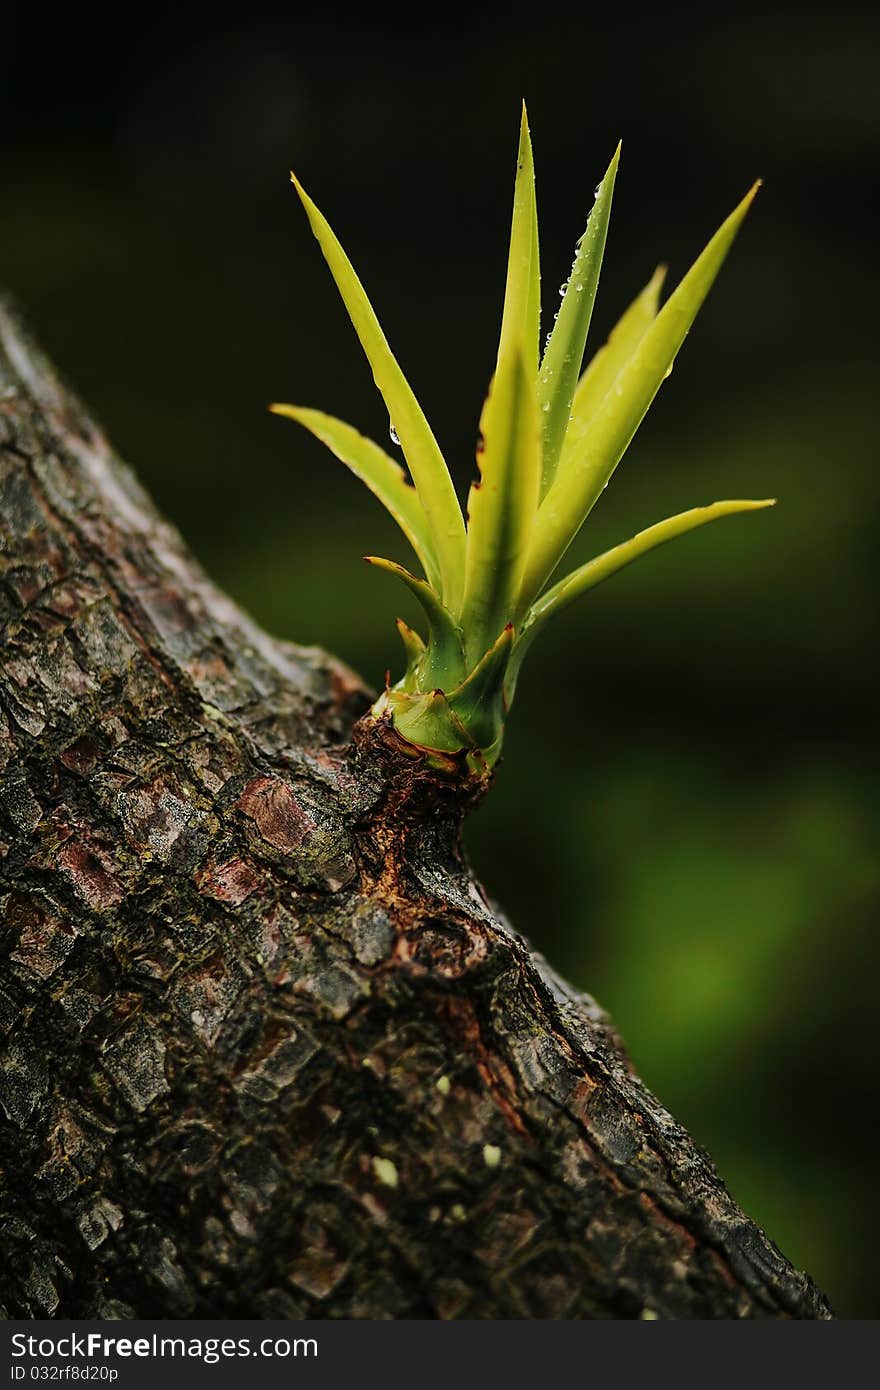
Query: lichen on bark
x,y
267,1048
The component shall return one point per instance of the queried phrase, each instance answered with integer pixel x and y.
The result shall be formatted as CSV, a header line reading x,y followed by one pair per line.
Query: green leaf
x,y
521,317
603,369
420,448
382,474
444,662
561,364
613,425
414,648
604,566
427,721
502,504
479,701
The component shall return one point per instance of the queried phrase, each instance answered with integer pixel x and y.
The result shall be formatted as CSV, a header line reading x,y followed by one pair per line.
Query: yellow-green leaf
x,y
613,425
561,363
521,318
502,504
443,664
414,647
602,370
420,448
605,565
479,700
382,474
427,721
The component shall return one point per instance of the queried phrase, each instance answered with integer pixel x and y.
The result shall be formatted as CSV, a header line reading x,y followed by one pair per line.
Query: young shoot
x,y
551,434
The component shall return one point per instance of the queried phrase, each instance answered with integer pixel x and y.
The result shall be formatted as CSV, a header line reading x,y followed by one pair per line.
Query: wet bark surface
x,y
267,1048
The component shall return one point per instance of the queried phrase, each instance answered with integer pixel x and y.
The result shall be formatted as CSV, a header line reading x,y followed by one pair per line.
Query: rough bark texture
x,y
267,1048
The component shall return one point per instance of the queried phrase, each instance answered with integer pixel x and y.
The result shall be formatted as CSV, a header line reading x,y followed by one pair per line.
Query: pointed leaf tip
x,y
426,464
745,203
414,650
403,626
521,315
444,663
596,571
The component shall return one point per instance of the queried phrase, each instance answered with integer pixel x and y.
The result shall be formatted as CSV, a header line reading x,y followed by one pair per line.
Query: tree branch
x,y
269,1051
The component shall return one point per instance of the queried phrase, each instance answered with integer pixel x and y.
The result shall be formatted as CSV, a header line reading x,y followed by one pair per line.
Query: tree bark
x,y
268,1049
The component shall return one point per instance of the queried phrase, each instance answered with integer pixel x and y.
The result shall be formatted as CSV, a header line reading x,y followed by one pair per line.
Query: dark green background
x,y
685,818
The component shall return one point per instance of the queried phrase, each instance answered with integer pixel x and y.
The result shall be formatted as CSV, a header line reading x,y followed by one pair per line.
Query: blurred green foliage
x,y
700,850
